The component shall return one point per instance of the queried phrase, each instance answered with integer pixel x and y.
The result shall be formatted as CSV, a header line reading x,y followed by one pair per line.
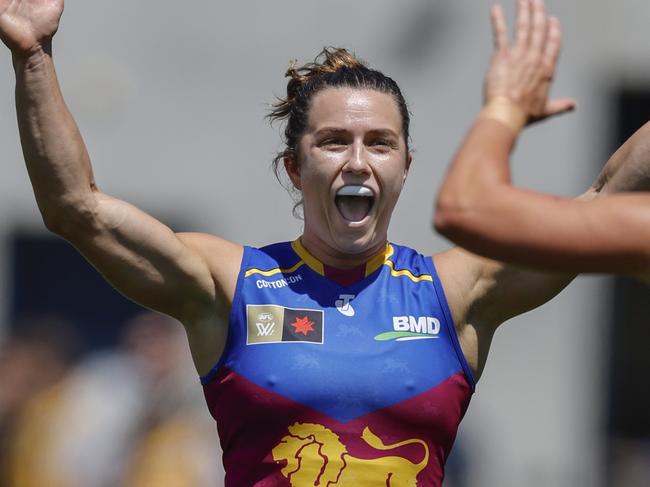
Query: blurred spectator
x,y
630,463
177,447
133,416
33,364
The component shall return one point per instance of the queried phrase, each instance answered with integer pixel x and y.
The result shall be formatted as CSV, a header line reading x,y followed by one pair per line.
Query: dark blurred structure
x,y
628,420
48,277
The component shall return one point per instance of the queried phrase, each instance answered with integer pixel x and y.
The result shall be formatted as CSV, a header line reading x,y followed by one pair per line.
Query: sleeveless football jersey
x,y
331,385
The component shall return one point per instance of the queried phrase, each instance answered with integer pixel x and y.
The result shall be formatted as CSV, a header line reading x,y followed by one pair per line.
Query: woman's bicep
x,y
143,259
611,234
557,234
607,234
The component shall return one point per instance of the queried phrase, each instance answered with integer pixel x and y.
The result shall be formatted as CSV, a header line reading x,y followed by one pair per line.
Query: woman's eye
x,y
332,143
382,144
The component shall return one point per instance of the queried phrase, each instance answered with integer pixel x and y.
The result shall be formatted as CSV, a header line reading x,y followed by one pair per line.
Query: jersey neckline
x,y
339,275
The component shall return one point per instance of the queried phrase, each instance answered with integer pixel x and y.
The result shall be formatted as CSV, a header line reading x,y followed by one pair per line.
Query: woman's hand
x,y
27,26
520,74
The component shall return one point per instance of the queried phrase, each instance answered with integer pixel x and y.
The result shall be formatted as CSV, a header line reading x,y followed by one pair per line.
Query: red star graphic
x,y
303,325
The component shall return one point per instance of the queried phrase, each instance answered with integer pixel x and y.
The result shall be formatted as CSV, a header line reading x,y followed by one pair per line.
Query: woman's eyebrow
x,y
340,131
330,131
383,133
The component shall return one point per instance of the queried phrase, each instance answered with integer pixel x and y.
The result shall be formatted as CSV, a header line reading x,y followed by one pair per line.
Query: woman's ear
x,y
293,170
409,159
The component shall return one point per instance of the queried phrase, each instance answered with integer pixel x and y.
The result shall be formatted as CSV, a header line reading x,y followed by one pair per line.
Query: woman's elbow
x,y
69,217
447,215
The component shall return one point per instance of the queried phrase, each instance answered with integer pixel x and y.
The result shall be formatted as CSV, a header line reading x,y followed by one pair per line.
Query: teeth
x,y
353,190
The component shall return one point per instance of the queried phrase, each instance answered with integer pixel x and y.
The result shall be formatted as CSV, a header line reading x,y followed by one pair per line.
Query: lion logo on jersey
x,y
316,456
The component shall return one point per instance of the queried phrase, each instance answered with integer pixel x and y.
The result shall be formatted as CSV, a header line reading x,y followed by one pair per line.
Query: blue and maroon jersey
x,y
338,385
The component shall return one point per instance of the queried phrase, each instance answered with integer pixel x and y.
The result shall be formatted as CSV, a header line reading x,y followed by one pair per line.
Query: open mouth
x,y
354,202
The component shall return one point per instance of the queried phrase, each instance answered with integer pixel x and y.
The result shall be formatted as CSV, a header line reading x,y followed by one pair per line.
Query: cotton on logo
x,y
343,304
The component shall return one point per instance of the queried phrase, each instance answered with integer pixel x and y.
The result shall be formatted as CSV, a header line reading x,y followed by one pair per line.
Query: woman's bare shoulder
x,y
222,256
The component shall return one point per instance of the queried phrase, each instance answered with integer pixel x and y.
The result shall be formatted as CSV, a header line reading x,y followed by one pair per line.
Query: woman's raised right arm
x,y
479,208
137,254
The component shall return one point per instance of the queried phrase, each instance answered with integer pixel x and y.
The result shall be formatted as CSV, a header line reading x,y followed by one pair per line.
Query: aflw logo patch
x,y
270,323
412,328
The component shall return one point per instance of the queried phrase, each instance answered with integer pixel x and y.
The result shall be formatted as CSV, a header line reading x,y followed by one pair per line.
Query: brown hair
x,y
333,67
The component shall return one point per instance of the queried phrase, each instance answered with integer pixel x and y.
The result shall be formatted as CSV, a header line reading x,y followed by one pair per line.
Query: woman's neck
x,y
339,259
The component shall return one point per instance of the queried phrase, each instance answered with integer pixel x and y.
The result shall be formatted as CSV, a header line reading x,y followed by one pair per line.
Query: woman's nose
x,y
357,161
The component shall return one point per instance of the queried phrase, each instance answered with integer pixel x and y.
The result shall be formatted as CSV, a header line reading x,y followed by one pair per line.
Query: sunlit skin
x,y
354,139
193,276
353,136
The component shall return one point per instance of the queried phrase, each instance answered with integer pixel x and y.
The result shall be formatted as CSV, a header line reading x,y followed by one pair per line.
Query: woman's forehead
x,y
354,107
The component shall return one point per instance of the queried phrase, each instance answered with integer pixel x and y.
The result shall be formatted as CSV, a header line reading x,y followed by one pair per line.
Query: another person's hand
x,y
28,25
520,74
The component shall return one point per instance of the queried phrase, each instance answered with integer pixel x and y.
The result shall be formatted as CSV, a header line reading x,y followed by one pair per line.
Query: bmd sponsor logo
x,y
412,328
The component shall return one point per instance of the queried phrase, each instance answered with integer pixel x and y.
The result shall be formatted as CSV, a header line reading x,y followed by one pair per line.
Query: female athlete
x,y
478,207
334,359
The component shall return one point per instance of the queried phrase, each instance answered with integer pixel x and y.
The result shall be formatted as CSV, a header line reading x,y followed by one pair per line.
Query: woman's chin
x,y
358,240
348,237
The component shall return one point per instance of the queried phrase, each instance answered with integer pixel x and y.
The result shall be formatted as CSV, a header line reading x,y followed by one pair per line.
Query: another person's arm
x,y
479,209
137,254
484,293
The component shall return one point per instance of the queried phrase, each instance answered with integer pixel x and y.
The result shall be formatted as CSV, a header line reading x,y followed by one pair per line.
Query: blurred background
x,y
171,99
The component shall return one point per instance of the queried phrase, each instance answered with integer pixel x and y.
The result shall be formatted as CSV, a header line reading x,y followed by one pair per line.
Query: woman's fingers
x,y
522,69
538,27
553,45
558,107
499,28
522,29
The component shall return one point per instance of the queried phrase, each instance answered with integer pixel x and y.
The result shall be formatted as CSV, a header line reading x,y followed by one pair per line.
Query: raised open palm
x,y
522,69
25,24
